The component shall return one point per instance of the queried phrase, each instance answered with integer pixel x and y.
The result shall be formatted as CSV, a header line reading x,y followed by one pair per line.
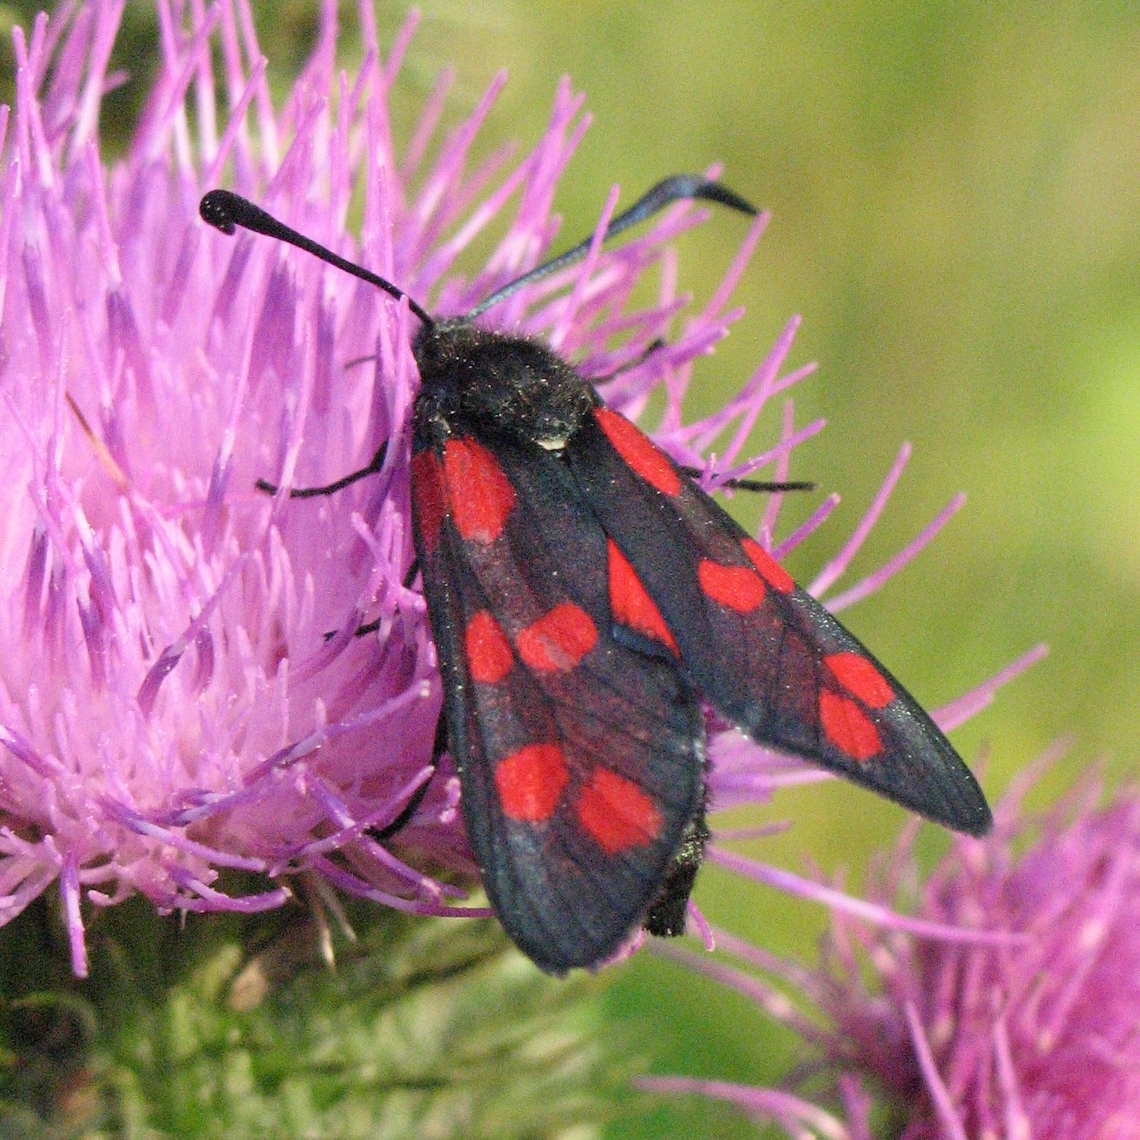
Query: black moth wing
x,y
762,651
581,760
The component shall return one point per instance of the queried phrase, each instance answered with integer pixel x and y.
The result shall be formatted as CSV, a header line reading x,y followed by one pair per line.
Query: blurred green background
x,y
956,200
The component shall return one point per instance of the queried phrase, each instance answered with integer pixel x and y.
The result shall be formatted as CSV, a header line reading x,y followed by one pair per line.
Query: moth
x,y
586,598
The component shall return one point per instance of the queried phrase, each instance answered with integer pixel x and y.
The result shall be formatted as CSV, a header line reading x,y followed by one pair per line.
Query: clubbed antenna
x,y
676,188
226,211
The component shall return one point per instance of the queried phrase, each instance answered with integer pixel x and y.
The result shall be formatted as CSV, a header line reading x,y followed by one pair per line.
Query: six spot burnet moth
x,y
585,597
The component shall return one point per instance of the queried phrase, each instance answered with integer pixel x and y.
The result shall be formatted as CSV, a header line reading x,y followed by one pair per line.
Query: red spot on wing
x,y
530,782
616,813
636,449
480,494
770,570
631,605
735,587
489,656
428,505
558,640
861,679
847,727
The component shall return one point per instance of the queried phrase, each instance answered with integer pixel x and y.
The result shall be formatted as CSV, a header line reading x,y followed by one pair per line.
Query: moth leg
x,y
373,626
652,347
417,797
330,489
754,484
668,915
762,485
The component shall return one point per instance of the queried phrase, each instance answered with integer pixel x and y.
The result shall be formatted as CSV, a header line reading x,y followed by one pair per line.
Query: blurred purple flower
x,y
1007,1009
171,705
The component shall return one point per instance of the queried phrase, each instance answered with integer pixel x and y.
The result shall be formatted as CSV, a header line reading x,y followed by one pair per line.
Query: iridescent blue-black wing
x,y
581,759
761,650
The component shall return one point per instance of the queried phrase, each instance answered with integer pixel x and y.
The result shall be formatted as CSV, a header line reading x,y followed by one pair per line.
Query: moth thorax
x,y
509,384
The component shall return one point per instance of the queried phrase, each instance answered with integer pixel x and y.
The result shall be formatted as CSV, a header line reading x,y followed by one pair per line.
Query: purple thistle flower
x,y
171,703
1007,1008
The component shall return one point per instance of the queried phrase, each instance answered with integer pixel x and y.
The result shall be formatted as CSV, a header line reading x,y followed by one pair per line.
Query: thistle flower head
x,y
1005,1009
1035,1037
181,690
